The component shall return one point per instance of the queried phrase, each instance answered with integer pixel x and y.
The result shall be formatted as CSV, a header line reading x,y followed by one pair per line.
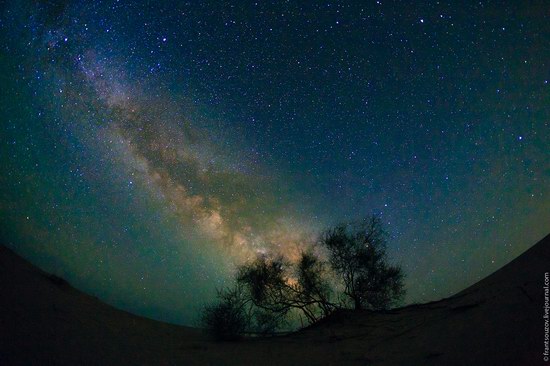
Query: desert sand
x,y
498,321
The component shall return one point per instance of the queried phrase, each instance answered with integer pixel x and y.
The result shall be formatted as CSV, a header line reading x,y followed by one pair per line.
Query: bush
x,y
227,319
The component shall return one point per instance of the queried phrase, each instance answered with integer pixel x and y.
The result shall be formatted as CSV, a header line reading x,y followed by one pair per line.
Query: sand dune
x,y
498,321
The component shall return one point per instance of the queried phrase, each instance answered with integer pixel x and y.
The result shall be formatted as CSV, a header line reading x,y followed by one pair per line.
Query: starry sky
x,y
147,148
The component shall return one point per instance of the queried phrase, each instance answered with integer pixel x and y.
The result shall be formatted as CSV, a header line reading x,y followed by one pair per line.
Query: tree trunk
x,y
357,303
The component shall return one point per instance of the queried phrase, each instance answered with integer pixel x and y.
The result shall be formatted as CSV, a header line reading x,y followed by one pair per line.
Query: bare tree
x,y
270,290
273,287
357,253
313,284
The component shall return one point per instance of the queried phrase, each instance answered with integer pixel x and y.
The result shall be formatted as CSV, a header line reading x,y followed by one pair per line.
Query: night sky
x,y
148,147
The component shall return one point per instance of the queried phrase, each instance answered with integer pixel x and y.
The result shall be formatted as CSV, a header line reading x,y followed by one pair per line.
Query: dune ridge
x,y
497,321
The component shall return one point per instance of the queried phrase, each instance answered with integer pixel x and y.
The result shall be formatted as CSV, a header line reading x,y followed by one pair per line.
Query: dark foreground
x,y
498,321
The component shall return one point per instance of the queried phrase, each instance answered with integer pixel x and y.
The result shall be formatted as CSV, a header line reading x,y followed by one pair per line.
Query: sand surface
x,y
498,321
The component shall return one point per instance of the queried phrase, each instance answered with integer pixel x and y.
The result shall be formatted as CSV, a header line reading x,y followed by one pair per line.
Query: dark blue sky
x,y
148,147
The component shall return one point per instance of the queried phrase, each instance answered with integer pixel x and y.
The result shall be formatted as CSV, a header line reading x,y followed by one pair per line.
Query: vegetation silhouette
x,y
226,320
348,270
357,253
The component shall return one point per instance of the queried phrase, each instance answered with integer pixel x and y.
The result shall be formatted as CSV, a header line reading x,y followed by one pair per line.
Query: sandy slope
x,y
498,321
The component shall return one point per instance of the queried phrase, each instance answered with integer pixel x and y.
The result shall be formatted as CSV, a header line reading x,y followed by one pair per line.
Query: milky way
x,y
226,199
147,150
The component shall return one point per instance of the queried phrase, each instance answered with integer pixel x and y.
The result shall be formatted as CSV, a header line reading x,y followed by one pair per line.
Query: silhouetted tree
x,y
227,319
277,287
270,290
357,253
313,284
